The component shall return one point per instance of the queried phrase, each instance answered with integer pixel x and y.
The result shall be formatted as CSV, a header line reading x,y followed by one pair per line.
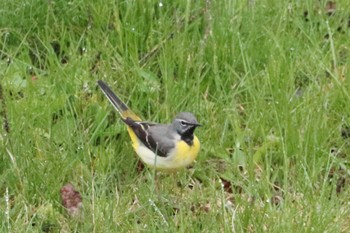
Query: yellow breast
x,y
185,154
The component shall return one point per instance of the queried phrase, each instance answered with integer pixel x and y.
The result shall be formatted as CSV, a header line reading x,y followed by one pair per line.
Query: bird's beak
x,y
197,125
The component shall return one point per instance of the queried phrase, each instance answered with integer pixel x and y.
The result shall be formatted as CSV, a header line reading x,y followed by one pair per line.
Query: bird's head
x,y
184,124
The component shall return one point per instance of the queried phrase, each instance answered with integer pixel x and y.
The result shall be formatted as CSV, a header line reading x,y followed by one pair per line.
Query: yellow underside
x,y
187,153
183,155
134,139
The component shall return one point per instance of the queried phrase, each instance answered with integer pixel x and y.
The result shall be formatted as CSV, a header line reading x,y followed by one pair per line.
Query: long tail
x,y
121,107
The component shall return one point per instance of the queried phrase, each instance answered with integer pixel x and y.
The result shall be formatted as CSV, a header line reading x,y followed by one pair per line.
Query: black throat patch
x,y
188,136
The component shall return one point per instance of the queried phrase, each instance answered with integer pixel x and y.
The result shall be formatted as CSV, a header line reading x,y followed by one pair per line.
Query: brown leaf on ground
x,y
71,200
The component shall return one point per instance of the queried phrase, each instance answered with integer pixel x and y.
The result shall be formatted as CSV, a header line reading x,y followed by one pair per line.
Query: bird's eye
x,y
183,123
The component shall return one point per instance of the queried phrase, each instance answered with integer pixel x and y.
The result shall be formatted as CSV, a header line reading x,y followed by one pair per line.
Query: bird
x,y
165,147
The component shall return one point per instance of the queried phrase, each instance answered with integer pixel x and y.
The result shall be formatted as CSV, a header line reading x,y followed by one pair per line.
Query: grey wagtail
x,y
162,146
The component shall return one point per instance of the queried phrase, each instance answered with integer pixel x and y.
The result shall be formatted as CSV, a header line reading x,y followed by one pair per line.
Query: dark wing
x,y
141,130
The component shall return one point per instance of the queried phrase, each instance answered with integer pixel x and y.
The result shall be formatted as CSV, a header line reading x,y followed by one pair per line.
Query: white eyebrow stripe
x,y
187,122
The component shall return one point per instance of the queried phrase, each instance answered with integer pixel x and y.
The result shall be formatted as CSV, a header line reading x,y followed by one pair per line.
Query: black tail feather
x,y
117,103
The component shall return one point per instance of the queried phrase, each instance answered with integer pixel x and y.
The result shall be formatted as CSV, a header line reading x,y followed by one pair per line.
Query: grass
x,y
267,79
